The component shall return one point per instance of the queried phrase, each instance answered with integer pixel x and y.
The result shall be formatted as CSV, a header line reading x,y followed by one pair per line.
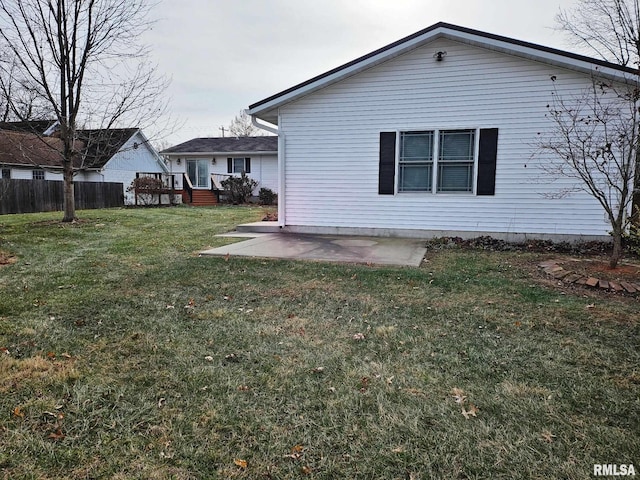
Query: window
x,y
198,172
238,165
438,161
455,161
37,174
6,173
415,167
451,170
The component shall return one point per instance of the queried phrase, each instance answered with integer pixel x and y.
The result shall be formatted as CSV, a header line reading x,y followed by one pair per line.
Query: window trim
x,y
435,163
37,172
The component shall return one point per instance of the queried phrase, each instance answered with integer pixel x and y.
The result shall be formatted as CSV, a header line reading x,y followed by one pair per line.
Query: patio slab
x,y
331,248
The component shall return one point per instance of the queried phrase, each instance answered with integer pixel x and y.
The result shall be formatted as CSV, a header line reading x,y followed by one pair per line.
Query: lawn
x,y
126,355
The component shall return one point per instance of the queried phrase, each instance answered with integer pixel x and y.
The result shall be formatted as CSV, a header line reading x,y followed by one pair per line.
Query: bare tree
x,y
594,141
611,30
241,126
16,101
83,60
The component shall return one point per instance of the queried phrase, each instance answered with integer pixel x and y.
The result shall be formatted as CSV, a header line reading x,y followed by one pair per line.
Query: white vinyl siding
x,y
332,137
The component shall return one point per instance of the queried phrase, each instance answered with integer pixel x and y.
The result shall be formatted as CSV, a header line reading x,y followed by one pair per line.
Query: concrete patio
x,y
331,248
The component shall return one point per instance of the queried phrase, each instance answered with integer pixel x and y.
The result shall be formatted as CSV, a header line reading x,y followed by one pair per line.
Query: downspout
x,y
281,158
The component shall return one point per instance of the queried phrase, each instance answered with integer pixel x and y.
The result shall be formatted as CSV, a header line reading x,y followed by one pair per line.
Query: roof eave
x,y
241,152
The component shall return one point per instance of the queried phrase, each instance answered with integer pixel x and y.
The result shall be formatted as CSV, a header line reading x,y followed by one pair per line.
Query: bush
x,y
239,188
267,196
144,189
150,184
631,240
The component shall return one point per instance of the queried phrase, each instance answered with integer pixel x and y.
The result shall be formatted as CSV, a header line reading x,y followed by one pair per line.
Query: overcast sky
x,y
223,55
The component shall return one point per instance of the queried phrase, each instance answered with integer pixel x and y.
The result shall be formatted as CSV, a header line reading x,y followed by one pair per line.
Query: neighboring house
x,y
113,155
205,162
434,134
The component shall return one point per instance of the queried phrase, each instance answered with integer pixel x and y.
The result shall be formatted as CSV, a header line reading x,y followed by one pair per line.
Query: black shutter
x,y
229,165
387,168
247,165
487,155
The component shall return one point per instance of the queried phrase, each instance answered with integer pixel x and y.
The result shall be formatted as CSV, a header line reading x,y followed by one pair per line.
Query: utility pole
x,y
222,128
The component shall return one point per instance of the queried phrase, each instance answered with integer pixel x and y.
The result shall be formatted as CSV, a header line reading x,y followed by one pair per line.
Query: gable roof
x,y
20,147
103,144
267,109
225,145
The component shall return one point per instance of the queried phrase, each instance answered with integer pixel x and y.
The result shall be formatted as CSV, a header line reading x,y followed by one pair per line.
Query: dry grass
x,y
298,369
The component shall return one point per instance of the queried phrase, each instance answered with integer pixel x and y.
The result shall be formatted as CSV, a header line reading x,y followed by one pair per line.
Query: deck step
x,y
203,198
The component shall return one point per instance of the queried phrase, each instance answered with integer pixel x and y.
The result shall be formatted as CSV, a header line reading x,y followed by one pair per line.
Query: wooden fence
x,y
29,196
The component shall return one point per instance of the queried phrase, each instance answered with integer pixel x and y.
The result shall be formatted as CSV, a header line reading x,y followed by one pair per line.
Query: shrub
x,y
239,188
145,183
267,196
144,188
632,239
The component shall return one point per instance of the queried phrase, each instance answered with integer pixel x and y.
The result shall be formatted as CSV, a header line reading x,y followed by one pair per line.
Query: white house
x,y
113,155
207,161
434,134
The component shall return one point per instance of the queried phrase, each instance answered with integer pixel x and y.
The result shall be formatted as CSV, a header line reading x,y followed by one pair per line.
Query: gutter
x,y
281,157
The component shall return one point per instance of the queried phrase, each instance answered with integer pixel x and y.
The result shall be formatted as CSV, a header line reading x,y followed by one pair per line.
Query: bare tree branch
x,y
594,141
241,126
82,59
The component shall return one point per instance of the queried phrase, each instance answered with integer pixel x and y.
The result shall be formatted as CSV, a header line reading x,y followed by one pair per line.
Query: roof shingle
x,y
226,145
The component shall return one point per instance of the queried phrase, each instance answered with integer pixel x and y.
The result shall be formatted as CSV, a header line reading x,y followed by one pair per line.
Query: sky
x,y
223,55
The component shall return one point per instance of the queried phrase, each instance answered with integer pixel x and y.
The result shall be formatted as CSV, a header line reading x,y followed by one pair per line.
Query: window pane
x,y
198,172
456,145
415,167
238,165
455,177
203,173
415,177
191,171
416,146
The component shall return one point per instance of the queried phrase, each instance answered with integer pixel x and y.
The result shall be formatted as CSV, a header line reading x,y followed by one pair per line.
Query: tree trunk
x,y
69,200
616,255
635,194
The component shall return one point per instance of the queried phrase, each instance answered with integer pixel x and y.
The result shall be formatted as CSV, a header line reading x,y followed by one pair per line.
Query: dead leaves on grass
x,y
460,398
240,463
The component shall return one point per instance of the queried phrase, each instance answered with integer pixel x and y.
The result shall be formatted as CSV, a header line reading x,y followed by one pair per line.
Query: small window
x,y
38,174
239,165
6,173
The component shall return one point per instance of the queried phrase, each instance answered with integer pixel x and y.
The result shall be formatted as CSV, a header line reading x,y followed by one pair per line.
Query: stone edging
x,y
551,267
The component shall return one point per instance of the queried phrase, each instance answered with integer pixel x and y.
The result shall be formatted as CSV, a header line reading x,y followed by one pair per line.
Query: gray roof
x,y
226,145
